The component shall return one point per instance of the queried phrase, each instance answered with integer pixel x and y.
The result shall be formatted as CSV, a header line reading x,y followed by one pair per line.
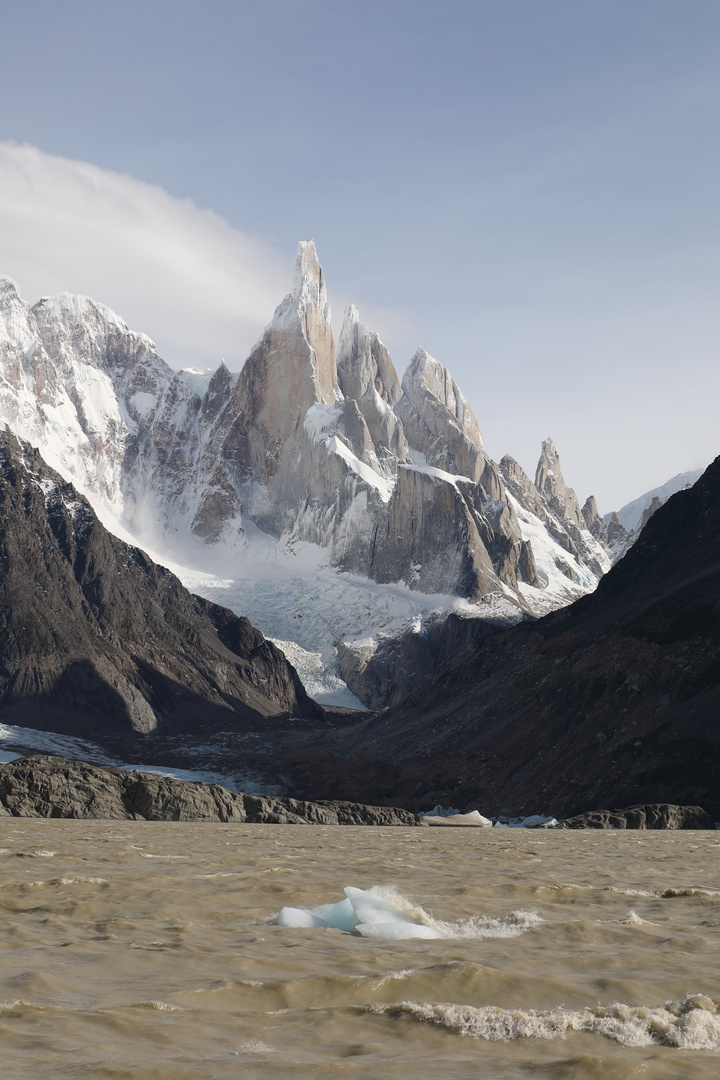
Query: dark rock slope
x,y
95,637
51,787
610,702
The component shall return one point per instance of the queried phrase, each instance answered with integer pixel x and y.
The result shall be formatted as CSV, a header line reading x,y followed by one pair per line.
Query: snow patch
x,y
382,484
198,379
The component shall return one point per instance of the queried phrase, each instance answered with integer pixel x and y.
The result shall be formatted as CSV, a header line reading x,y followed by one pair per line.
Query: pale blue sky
x,y
527,188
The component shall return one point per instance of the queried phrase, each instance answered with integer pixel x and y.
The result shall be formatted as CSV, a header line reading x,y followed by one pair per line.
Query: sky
x,y
526,188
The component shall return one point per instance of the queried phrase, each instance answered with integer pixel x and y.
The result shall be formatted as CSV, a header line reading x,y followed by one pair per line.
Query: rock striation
x,y
52,787
94,635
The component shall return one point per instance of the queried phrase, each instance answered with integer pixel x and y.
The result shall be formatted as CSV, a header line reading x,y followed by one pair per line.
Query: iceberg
x,y
378,912
439,815
474,817
382,912
538,821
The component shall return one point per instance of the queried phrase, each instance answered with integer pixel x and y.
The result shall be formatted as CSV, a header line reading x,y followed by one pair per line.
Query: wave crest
x,y
691,1024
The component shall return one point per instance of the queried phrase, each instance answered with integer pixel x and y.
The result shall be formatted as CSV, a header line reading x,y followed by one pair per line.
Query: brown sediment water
x,y
146,950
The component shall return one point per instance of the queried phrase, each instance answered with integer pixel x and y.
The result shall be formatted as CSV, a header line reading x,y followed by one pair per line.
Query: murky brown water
x,y
143,950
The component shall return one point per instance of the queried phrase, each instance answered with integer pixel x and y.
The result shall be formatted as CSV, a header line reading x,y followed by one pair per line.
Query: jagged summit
x,y
440,423
388,479
367,375
550,482
427,372
308,280
8,288
298,342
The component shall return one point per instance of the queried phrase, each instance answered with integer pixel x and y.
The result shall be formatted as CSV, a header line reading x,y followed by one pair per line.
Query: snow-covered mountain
x,y
631,515
310,474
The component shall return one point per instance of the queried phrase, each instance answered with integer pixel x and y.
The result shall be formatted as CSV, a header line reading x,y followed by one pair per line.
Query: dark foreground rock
x,y
384,670
95,638
52,787
648,816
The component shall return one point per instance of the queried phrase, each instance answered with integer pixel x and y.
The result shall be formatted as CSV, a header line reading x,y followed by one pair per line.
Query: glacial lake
x,y
146,951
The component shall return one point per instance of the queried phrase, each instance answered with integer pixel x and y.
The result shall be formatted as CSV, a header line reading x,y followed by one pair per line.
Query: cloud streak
x,y
202,289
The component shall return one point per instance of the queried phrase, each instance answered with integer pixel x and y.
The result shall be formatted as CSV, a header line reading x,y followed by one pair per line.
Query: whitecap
x,y
158,1006
632,919
254,1046
691,1024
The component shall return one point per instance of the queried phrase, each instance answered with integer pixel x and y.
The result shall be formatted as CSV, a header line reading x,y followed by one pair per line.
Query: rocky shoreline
x,y
646,816
54,787
45,786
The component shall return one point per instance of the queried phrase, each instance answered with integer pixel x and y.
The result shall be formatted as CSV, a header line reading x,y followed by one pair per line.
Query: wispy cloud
x,y
202,289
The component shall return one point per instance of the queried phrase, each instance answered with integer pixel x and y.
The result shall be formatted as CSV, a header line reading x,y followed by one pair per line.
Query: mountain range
x,y
351,513
311,462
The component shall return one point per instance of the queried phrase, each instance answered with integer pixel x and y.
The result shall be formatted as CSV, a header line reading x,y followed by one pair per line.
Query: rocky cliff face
x,y
94,635
388,477
383,671
580,533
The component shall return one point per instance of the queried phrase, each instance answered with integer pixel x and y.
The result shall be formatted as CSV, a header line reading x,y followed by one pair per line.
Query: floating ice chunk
x,y
440,811
440,816
382,912
395,931
298,918
374,912
473,818
536,821
340,916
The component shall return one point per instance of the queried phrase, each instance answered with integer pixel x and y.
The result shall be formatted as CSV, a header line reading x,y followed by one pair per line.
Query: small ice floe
x,y
441,811
442,816
533,821
474,818
382,912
